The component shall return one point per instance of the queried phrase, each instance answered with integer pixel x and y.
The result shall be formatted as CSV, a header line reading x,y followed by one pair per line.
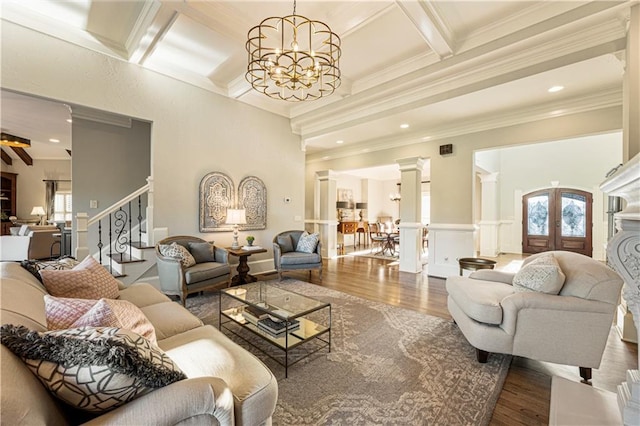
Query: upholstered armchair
x,y
289,255
189,265
561,315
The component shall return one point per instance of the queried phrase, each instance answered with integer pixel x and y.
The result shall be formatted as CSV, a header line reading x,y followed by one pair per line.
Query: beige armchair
x,y
210,270
569,328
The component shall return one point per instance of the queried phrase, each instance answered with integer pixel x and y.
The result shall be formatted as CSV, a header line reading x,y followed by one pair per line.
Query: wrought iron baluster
x,y
130,257
140,220
100,245
110,245
120,223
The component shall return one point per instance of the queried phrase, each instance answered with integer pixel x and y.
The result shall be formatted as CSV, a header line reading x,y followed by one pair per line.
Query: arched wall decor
x,y
217,194
252,196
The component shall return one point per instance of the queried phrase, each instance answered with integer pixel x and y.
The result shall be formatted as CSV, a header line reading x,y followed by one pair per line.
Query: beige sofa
x,y
570,328
226,384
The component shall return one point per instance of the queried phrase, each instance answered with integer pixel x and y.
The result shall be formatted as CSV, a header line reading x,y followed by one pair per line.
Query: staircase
x,y
125,236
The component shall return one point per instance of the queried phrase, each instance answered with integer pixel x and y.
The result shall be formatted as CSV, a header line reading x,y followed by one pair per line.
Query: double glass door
x,y
557,219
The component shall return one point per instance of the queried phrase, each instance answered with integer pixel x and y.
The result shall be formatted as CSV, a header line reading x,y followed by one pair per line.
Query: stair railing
x,y
115,226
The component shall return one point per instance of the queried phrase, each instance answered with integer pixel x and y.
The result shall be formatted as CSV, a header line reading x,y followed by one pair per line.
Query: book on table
x,y
253,314
277,327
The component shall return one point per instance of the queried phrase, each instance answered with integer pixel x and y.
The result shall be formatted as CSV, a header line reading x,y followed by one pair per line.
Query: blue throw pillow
x,y
285,242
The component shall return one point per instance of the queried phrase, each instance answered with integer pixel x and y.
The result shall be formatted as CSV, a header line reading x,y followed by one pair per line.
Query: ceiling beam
x,y
429,24
5,157
26,158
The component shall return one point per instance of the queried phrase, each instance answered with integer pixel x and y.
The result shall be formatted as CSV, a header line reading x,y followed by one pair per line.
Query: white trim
x,y
410,225
451,227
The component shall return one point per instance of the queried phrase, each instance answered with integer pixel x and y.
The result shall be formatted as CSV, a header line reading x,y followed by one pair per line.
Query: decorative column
x,y
326,220
82,224
410,214
623,253
489,223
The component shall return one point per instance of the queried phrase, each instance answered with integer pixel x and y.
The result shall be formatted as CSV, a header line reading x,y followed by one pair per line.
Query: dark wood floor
x,y
525,397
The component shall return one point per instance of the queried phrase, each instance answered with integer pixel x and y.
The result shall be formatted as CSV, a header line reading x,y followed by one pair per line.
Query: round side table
x,y
475,263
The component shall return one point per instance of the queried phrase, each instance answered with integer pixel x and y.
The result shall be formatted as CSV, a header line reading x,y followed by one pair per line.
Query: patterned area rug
x,y
387,366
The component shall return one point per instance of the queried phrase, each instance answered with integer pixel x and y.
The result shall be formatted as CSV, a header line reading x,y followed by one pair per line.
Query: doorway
x,y
557,219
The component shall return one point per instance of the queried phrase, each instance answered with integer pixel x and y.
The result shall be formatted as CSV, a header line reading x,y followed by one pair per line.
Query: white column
x,y
489,223
326,221
410,214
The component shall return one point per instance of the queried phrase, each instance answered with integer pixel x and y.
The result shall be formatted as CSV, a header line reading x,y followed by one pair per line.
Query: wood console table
x,y
355,227
243,276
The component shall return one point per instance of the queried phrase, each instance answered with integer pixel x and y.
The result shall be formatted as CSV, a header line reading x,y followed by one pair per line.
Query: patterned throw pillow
x,y
62,313
542,274
93,369
179,252
35,266
308,242
202,251
87,280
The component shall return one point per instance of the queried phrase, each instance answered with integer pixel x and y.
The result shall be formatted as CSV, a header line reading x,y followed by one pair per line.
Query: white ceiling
x,y
443,67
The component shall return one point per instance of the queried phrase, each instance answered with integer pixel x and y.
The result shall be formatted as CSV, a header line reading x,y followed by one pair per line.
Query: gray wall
x,y
109,162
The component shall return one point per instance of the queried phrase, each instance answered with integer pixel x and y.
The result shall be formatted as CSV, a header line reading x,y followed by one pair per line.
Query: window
x,y
62,207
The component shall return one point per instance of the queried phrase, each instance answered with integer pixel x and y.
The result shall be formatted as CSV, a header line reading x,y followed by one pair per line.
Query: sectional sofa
x,y
224,385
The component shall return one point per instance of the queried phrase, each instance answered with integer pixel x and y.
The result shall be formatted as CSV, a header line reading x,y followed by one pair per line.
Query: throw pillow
x,y
542,274
62,313
87,280
24,230
285,242
308,242
202,251
35,266
179,252
93,369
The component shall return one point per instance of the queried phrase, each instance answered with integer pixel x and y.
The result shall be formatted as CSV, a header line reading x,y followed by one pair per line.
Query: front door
x,y
557,219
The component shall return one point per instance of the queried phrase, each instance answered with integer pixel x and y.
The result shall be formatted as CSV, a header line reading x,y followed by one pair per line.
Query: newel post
x,y
82,225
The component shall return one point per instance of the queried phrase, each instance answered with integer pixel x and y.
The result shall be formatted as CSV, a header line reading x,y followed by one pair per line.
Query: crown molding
x,y
462,74
604,99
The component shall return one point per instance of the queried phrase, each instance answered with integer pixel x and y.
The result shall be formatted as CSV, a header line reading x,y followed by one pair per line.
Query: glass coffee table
x,y
280,317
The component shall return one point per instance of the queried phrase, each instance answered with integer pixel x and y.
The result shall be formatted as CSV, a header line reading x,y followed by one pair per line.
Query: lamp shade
x,y
342,205
37,211
361,205
236,217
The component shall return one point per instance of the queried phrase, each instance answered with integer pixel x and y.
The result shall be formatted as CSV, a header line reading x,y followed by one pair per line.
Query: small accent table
x,y
475,263
243,276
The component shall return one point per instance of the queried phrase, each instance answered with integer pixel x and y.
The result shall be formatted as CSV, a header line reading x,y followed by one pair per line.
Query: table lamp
x,y
341,205
236,217
361,206
38,211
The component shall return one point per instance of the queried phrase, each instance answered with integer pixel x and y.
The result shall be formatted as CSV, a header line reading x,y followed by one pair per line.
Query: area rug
x,y
387,366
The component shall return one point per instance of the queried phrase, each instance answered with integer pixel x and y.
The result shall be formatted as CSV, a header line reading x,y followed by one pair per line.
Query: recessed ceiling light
x,y
54,140
326,157
340,141
554,89
404,126
557,112
69,120
426,138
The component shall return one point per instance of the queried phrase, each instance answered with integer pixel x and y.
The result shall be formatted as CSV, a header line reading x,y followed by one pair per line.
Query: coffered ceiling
x,y
442,67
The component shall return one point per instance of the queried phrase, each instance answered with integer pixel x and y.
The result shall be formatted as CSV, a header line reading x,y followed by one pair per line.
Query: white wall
x,y
194,131
30,185
579,163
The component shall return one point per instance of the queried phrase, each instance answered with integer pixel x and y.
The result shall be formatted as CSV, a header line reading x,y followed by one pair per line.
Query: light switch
x,y
93,204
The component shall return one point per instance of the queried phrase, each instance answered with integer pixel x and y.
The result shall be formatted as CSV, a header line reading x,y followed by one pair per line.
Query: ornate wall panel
x,y
217,194
252,196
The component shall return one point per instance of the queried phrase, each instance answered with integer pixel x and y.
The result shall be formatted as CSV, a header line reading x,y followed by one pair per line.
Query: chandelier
x,y
293,58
